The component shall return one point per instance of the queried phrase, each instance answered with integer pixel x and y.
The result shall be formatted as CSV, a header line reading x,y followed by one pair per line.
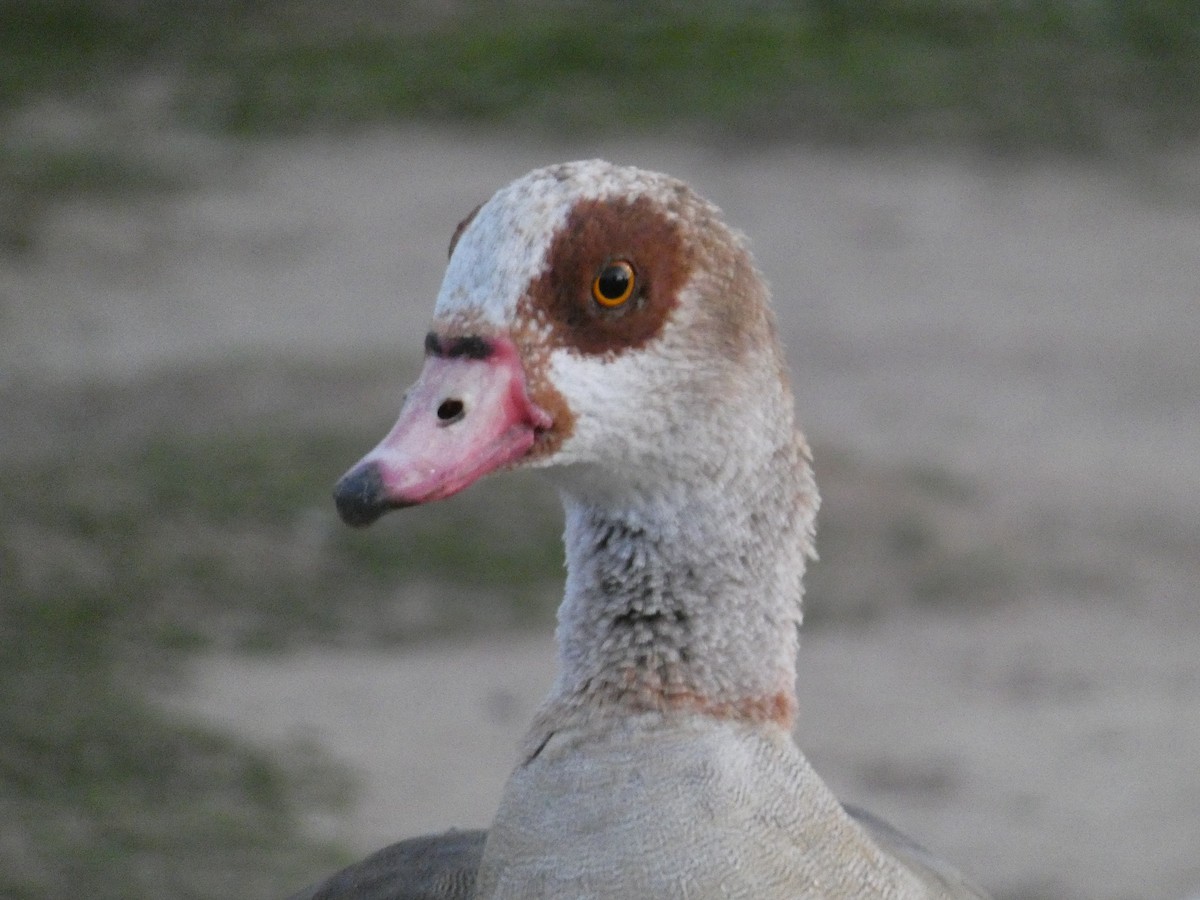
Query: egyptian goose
x,y
603,324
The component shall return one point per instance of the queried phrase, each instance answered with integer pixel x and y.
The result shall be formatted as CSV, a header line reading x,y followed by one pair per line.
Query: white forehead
x,y
504,247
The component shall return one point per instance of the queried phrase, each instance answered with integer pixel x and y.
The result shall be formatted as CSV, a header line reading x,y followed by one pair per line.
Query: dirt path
x,y
1028,330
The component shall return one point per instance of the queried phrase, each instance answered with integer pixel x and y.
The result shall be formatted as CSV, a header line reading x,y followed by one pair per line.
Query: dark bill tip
x,y
360,495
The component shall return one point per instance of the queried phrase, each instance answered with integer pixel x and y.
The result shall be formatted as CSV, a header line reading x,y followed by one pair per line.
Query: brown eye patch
x,y
596,234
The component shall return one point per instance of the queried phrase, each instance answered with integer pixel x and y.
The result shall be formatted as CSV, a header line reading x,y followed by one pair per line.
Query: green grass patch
x,y
1059,75
1053,74
92,85
105,797
63,171
32,175
49,46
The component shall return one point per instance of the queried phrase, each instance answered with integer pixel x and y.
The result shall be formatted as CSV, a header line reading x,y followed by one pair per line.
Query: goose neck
x,y
687,599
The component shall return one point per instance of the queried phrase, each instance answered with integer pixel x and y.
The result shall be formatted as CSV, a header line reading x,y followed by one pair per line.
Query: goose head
x,y
597,320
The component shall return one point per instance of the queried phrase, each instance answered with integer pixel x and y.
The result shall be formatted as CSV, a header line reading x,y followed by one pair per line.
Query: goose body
x,y
604,324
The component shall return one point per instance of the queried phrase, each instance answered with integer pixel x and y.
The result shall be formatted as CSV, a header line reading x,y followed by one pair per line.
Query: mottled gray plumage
x,y
443,867
433,867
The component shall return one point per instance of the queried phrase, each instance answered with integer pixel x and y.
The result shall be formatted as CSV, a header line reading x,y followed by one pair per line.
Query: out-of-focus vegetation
x,y
1102,77
1060,73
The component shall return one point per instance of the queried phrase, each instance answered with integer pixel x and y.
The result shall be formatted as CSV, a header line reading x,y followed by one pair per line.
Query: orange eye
x,y
614,285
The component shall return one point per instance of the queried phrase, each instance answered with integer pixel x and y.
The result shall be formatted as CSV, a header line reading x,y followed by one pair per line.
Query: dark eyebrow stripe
x,y
471,346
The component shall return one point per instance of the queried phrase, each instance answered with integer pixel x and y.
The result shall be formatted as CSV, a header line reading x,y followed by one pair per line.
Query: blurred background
x,y
222,227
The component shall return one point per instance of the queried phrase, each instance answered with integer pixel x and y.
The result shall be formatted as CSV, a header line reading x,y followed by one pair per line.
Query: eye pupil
x,y
613,282
614,285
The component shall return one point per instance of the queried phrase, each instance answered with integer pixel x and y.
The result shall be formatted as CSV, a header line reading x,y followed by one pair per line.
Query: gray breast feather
x,y
443,867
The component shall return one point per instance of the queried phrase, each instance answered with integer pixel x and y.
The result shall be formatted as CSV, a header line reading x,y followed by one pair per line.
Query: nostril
x,y
450,411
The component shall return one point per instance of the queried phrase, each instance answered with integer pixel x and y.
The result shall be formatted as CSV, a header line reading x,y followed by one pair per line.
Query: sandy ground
x,y
1032,329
